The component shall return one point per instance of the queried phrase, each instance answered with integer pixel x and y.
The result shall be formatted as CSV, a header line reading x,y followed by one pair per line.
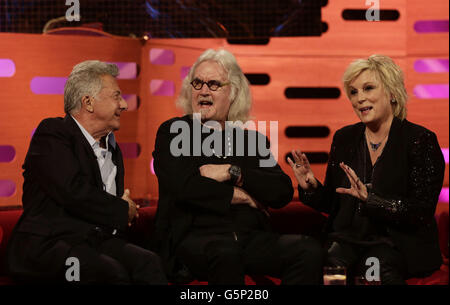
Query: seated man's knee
x,y
147,267
225,265
223,251
304,248
104,270
143,256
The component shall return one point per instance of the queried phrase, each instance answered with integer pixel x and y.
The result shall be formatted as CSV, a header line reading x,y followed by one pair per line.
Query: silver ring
x,y
297,165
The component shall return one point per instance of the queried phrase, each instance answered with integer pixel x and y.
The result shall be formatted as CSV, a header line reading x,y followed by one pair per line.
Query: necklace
x,y
229,148
375,146
212,144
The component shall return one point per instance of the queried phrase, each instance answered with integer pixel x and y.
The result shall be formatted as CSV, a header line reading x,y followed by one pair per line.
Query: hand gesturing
x,y
357,189
302,170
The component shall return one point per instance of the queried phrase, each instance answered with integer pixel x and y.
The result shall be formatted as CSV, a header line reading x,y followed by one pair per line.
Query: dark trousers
x,y
115,261
101,259
224,259
392,264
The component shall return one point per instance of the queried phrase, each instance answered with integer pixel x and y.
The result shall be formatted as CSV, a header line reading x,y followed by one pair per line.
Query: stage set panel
x,y
289,66
33,90
319,62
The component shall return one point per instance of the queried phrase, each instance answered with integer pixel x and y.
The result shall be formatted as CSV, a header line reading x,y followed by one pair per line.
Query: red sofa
x,y
295,218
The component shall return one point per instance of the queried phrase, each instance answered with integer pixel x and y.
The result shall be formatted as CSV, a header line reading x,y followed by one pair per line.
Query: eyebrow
x,y
365,84
208,80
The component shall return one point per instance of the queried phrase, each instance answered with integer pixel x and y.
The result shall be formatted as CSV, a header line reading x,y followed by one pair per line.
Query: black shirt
x,y
239,217
349,221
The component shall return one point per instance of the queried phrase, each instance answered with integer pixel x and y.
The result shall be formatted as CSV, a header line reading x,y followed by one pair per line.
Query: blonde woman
x,y
383,180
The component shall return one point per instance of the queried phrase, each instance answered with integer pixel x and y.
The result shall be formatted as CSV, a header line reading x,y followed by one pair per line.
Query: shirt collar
x,y
110,138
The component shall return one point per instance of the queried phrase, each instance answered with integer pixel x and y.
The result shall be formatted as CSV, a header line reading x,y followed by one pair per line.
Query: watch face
x,y
235,170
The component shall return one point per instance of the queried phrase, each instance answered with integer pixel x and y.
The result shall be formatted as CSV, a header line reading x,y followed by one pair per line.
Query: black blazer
x,y
183,192
63,196
407,181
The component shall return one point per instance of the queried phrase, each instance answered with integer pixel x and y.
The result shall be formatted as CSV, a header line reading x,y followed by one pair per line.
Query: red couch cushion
x,y
439,277
8,219
1,235
442,220
294,218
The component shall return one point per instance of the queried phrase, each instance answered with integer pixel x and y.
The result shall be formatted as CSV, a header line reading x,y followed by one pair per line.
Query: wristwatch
x,y
235,173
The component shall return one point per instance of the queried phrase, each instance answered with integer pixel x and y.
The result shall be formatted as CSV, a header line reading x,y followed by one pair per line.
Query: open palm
x,y
357,189
302,170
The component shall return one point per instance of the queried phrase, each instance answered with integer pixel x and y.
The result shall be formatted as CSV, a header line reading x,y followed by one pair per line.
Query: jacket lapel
x,y
347,150
386,180
353,145
85,149
118,161
394,133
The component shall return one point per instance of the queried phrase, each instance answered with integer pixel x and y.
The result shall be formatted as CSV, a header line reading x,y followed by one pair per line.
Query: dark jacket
x,y
407,181
63,197
184,193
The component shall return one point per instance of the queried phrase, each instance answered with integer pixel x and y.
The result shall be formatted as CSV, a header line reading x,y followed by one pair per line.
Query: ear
x,y
86,101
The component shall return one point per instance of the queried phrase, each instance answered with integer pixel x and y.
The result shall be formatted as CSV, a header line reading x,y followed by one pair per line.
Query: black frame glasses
x,y
213,85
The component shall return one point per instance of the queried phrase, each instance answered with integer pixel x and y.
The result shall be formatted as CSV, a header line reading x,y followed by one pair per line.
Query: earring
x,y
393,101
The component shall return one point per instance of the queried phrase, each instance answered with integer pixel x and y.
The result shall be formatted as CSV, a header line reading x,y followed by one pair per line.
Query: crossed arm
x,y
204,186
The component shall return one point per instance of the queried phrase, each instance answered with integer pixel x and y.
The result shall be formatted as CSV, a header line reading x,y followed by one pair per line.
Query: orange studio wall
x,y
295,82
32,91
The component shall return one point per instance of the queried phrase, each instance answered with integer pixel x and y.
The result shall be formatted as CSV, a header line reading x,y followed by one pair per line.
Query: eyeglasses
x,y
213,85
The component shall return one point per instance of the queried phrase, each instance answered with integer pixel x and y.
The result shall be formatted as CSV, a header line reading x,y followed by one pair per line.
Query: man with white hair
x,y
213,195
76,210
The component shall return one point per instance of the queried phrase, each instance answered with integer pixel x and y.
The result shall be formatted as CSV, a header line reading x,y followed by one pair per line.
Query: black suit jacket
x,y
63,196
407,180
184,193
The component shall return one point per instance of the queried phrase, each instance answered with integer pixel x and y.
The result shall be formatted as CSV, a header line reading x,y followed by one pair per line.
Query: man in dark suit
x,y
76,211
212,221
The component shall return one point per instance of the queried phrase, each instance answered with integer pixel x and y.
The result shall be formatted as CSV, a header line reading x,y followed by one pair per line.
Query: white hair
x,y
85,79
240,96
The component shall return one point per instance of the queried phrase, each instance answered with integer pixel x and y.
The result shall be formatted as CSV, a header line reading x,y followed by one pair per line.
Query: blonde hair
x,y
388,73
240,96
